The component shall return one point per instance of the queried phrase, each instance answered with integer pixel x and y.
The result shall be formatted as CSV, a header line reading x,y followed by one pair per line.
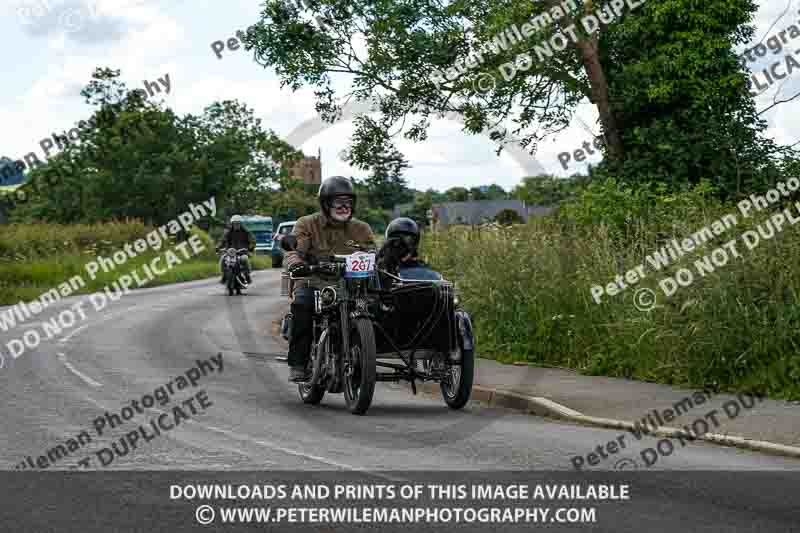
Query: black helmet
x,y
335,186
402,227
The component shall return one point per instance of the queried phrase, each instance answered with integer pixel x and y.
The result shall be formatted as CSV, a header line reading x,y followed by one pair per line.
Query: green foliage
x,y
683,99
38,257
677,99
734,329
457,194
625,210
377,218
144,162
507,217
548,190
385,186
23,242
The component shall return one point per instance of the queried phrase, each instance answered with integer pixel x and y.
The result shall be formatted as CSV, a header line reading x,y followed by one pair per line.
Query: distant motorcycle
x,y
415,322
232,267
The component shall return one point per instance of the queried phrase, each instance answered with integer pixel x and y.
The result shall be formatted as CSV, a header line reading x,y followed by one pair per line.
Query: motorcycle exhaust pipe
x,y
285,284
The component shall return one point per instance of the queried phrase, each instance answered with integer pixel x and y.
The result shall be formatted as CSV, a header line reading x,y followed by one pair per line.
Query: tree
x,y
507,217
138,160
385,187
457,194
661,74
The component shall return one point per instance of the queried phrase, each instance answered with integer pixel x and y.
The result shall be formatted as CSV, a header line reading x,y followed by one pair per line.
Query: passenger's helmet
x,y
335,186
405,229
236,219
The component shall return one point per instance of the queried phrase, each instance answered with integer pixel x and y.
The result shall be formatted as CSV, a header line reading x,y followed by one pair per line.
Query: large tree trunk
x,y
588,49
599,85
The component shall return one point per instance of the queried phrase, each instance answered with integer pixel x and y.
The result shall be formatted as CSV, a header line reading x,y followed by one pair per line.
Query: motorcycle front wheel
x,y
359,371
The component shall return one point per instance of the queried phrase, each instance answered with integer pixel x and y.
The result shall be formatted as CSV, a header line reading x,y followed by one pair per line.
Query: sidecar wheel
x,y
359,383
456,389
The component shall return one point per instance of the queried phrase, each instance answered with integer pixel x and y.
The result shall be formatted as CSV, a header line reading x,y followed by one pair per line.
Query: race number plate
x,y
359,265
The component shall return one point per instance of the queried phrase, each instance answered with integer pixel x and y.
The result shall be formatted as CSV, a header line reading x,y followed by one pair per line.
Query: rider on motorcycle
x,y
401,246
238,237
332,231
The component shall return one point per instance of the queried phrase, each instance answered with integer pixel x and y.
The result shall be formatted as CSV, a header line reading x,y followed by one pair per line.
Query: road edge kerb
x,y
540,406
545,407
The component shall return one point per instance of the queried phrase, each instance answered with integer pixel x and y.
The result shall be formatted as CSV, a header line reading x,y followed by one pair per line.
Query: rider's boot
x,y
299,374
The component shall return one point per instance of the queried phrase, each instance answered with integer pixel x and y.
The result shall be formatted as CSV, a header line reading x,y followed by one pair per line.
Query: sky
x,y
51,47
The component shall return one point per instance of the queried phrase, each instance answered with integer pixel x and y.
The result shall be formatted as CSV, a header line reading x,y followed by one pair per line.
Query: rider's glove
x,y
300,270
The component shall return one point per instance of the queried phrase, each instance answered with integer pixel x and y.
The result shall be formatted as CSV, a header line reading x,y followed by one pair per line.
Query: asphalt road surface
x,y
251,417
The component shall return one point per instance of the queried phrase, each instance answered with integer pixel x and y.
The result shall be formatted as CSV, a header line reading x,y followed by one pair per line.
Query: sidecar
x,y
423,334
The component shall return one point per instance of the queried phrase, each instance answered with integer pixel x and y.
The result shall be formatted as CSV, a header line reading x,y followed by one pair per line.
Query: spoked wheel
x,y
359,367
457,386
231,283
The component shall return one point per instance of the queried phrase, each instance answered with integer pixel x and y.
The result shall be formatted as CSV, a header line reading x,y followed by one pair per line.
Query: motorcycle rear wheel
x,y
359,376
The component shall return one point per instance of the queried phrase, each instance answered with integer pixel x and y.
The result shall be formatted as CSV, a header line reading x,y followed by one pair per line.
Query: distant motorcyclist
x,y
238,237
332,231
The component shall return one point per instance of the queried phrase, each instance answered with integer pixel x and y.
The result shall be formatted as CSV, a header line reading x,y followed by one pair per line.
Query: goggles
x,y
338,203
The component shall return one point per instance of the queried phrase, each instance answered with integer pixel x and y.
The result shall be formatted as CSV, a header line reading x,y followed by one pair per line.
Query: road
x,y
255,420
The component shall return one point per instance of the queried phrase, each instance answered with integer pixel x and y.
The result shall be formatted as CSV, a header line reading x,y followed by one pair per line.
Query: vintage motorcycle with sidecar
x,y
409,323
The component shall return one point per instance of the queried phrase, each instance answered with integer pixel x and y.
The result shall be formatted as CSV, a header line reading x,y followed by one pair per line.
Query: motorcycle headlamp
x,y
327,296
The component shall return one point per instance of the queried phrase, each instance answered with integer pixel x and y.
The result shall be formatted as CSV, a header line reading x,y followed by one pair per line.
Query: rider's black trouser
x,y
302,330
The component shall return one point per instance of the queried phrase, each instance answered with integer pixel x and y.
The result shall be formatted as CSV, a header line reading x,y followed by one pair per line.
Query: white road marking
x,y
288,451
248,439
230,434
77,372
64,340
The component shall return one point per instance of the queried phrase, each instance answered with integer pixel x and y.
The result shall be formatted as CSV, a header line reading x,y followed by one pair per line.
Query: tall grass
x,y
528,288
35,258
19,242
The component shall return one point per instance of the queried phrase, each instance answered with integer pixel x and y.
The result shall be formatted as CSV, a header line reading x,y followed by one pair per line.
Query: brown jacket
x,y
318,235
